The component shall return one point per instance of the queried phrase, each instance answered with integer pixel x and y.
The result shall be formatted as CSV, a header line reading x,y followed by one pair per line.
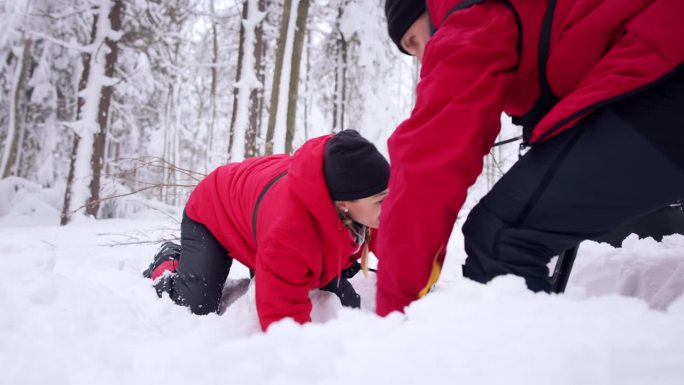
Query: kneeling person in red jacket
x,y
297,222
598,88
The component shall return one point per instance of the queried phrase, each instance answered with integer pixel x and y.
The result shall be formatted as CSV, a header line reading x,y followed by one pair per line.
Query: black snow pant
x,y
202,270
624,161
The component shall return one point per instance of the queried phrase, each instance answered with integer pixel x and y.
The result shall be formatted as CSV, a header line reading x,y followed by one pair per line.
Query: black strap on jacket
x,y
547,99
261,196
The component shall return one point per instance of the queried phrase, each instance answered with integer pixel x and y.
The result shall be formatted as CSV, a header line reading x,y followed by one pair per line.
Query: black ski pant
x,y
613,166
202,270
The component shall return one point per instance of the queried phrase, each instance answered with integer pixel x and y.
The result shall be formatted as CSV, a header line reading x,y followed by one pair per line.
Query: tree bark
x,y
238,76
343,96
298,45
247,84
82,84
9,159
168,148
275,89
97,159
307,86
340,95
212,97
257,94
93,111
336,89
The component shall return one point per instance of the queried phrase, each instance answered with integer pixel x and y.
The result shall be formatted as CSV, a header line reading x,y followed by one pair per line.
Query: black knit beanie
x,y
400,15
353,167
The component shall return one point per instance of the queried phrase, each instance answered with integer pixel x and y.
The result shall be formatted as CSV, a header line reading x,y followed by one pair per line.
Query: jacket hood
x,y
308,183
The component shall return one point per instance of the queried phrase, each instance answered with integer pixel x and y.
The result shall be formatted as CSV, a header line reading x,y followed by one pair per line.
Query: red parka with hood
x,y
300,242
482,61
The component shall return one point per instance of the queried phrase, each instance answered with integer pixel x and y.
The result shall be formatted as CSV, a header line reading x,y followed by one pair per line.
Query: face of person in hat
x,y
365,211
417,36
408,25
357,176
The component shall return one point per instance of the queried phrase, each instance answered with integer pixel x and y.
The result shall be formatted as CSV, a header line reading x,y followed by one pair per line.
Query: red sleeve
x,y
285,275
437,153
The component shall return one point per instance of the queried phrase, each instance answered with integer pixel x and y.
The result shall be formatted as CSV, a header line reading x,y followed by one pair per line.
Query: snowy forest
x,y
111,112
108,99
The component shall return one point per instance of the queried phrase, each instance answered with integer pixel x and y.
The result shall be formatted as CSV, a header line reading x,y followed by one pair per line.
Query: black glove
x,y
344,291
351,271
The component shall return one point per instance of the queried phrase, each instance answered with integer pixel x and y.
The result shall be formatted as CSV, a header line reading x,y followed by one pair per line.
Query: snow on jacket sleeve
x,y
286,270
437,153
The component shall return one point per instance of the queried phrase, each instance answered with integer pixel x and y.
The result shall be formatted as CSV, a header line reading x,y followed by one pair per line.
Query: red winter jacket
x,y
301,243
472,71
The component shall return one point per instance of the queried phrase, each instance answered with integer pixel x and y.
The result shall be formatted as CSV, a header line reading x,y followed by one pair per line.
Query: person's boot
x,y
166,259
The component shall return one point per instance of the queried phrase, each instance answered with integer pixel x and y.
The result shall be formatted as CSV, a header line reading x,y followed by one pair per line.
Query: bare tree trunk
x,y
166,153
113,153
176,159
340,95
262,50
257,94
9,158
247,85
27,148
261,99
4,64
275,89
343,97
238,76
336,90
82,84
172,127
93,112
307,96
298,45
97,159
245,116
212,97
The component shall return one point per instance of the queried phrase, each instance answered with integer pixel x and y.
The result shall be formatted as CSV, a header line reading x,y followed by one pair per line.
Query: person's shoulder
x,y
481,16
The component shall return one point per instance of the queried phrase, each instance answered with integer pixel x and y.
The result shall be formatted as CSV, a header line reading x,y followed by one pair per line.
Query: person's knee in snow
x,y
496,248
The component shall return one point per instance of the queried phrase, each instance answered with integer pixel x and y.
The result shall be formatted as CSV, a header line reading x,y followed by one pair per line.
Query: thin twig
x,y
125,194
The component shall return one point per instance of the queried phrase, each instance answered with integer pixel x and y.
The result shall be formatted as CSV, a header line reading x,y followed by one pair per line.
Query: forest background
x,y
117,105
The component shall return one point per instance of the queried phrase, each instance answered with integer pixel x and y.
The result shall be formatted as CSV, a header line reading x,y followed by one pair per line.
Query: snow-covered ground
x,y
74,309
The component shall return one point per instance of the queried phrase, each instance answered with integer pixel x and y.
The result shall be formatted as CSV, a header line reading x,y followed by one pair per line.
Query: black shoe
x,y
168,251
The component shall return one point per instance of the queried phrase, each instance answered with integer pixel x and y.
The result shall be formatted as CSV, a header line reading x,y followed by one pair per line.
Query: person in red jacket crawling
x,y
297,222
598,87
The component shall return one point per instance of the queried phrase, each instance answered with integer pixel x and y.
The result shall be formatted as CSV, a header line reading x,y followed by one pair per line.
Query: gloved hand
x,y
344,291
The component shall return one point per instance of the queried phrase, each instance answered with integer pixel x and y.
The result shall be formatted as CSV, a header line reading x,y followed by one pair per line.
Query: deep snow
x,y
74,309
